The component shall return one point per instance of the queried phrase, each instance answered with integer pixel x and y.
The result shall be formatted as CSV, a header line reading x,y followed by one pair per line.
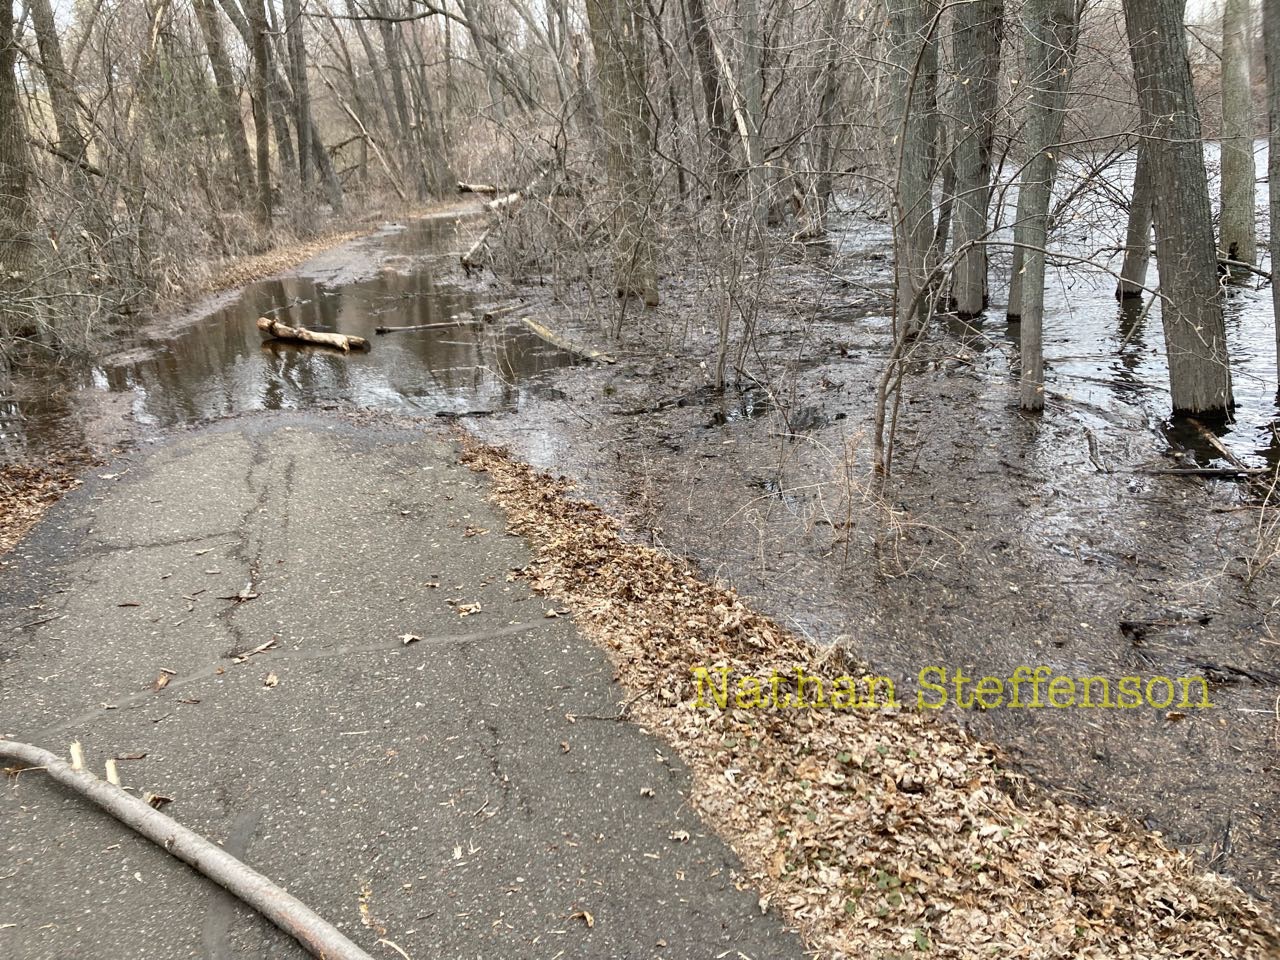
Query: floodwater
x,y
220,364
1003,540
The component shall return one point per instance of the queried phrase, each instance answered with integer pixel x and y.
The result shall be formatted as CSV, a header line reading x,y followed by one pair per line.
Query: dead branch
x,y
313,932
464,187
560,343
282,331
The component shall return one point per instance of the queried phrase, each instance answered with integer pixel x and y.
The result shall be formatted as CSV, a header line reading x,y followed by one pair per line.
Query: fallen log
x,y
509,202
560,343
313,932
470,259
1203,471
281,331
464,187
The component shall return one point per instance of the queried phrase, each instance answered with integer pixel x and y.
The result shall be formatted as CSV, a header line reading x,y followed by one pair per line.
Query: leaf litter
x,y
875,833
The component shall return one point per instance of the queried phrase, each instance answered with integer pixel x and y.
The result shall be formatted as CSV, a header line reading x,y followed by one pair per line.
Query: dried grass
x,y
877,834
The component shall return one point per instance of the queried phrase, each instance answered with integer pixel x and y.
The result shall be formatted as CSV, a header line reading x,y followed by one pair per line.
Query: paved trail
x,y
434,793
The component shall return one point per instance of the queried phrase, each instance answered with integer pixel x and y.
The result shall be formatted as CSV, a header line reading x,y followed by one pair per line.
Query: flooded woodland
x,y
921,339
1002,539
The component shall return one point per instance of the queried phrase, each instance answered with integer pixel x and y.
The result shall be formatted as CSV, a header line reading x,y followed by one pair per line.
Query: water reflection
x,y
222,366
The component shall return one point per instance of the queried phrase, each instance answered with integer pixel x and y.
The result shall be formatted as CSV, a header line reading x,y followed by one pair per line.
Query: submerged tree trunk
x,y
1059,82
1195,335
1137,242
1048,30
1271,39
619,46
228,96
978,28
914,64
1237,236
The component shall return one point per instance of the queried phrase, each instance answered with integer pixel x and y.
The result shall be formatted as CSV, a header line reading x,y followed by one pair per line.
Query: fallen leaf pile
x,y
878,834
28,490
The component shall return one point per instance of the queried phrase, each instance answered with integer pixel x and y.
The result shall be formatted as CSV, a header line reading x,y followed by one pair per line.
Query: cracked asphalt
x,y
434,795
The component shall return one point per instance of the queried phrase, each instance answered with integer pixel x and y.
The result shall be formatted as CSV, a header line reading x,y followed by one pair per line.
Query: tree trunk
x,y
753,108
1271,41
228,95
1195,335
619,47
297,61
1137,249
261,106
712,94
979,28
1048,29
1022,216
830,87
16,213
914,64
1237,237
62,99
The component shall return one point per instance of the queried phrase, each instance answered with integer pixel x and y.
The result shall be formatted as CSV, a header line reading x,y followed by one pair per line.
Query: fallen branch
x,y
509,202
317,935
283,331
560,343
469,259
1223,450
428,326
464,187
1204,471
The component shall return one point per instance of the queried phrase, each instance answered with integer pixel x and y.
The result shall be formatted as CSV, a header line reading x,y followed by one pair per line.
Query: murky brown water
x,y
220,364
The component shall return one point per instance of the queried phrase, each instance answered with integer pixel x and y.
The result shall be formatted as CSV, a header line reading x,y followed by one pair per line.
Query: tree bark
x,y
62,100
616,35
1271,41
228,95
297,49
1195,335
16,212
979,28
1061,83
1049,27
261,106
712,94
830,86
1137,249
914,64
1237,235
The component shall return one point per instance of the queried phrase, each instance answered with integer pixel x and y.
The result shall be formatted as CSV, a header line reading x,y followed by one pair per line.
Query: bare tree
x,y
616,35
913,61
1195,334
228,95
16,251
1137,250
1271,40
1049,28
978,29
1237,237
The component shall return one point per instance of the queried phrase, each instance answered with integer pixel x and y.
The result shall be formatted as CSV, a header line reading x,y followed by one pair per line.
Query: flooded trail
x,y
1002,541
216,363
